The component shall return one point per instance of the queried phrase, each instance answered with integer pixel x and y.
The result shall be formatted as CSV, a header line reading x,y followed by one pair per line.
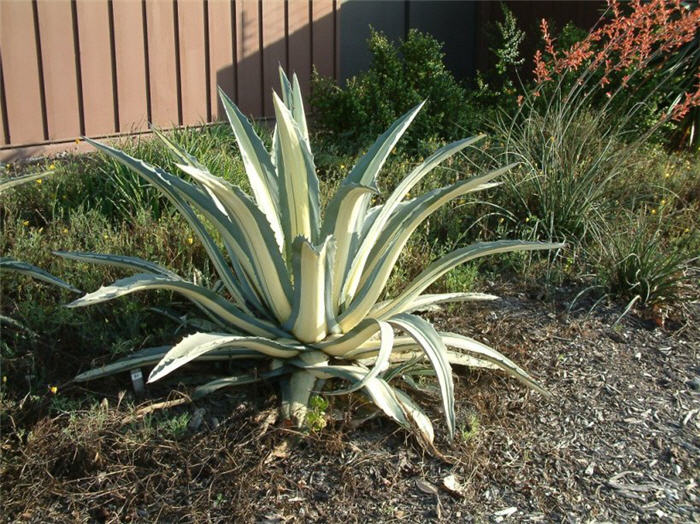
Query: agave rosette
x,y
301,289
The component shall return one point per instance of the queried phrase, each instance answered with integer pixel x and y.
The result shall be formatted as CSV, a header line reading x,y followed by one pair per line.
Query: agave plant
x,y
301,288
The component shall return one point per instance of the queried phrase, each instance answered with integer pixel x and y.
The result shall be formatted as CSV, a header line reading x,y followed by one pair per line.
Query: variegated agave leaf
x,y
300,293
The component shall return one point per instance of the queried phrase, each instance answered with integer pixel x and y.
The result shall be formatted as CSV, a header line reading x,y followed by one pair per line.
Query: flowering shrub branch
x,y
641,42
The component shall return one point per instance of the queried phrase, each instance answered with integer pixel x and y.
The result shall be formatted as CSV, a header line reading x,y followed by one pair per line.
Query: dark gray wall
x,y
452,22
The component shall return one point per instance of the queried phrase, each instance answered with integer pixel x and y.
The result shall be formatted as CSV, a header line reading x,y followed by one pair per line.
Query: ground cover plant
x,y
303,291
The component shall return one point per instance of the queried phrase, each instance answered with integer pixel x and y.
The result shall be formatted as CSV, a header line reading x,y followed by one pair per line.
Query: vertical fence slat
x,y
274,50
21,73
130,64
323,49
96,66
249,57
162,62
222,69
157,63
193,79
4,139
299,42
60,72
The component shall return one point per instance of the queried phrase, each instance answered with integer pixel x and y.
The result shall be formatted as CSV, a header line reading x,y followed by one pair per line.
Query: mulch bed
x,y
618,441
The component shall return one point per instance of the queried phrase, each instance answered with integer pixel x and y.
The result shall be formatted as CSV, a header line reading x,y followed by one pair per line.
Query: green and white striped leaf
x,y
258,165
193,346
441,266
151,356
428,339
414,212
256,237
369,239
363,174
381,361
207,299
308,320
367,168
10,264
298,184
291,95
431,301
415,416
343,220
339,346
127,262
390,245
238,380
484,352
156,177
16,181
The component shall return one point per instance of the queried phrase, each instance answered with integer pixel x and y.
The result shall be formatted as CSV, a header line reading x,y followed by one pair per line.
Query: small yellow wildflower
x,y
38,181
53,390
663,201
501,220
65,230
527,219
342,166
77,140
667,175
105,236
52,166
653,211
190,240
4,379
686,230
25,223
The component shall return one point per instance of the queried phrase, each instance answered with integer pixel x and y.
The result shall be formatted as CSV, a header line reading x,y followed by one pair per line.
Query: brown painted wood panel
x,y
193,72
4,139
299,42
19,55
61,85
96,66
130,65
274,49
323,38
249,57
221,63
162,61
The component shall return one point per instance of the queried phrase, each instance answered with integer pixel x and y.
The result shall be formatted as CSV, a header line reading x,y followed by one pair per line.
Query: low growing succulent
x,y
301,289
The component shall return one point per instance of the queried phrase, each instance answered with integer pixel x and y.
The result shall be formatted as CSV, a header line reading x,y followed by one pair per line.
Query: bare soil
x,y
618,441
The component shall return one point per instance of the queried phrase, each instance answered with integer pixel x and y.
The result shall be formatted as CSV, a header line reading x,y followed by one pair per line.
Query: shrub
x,y
582,125
641,61
299,293
399,77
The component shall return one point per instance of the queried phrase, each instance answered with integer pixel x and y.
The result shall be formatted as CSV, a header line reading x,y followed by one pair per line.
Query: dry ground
x,y
618,441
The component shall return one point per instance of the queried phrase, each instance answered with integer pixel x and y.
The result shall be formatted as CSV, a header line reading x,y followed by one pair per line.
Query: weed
x,y
316,418
471,428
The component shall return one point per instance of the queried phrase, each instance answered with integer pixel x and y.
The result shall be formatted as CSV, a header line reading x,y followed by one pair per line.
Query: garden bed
x,y
617,441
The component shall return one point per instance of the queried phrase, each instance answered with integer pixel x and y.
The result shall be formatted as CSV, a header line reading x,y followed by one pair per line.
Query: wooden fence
x,y
108,67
